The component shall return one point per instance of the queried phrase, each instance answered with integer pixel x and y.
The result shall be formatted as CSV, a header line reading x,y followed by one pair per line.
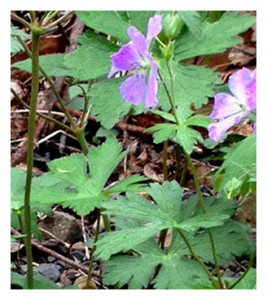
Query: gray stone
x,y
63,226
51,271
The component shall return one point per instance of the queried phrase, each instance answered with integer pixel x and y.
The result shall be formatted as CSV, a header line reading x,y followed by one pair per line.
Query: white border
x,y
261,136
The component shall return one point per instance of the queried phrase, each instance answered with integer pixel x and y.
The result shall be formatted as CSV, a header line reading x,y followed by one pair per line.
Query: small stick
x,y
55,254
67,245
87,254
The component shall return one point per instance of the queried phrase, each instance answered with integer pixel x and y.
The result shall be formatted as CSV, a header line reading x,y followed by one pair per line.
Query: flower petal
x,y
126,59
224,106
153,28
138,40
218,129
133,88
237,84
251,91
151,100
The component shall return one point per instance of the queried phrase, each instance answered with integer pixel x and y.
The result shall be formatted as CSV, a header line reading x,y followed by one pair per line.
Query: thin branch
x,y
54,254
19,19
61,103
58,20
40,114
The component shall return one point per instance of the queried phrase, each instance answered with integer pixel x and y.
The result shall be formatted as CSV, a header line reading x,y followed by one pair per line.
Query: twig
x,y
55,254
67,245
19,19
87,254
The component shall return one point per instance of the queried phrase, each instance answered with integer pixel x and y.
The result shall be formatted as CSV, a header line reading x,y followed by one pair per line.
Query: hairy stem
x,y
80,136
30,153
165,168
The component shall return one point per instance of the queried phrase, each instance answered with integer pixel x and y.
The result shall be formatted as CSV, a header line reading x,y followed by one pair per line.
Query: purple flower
x,y
230,110
134,57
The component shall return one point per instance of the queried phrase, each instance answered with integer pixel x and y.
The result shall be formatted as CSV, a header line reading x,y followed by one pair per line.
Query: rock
x,y
247,211
51,271
62,225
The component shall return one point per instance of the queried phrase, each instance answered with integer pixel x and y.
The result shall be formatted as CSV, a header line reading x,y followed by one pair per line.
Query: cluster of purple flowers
x,y
142,84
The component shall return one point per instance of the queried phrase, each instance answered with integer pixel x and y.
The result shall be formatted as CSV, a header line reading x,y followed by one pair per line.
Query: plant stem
x,y
80,136
30,153
203,208
165,169
106,222
214,283
85,109
59,20
172,102
87,286
178,160
19,19
169,96
251,261
48,18
183,176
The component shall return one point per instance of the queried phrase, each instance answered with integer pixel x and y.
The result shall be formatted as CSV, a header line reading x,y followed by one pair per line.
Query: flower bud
x,y
171,27
168,51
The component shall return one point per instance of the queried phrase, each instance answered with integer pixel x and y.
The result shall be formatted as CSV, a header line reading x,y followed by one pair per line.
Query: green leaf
x,y
165,213
163,132
18,178
15,44
68,183
176,271
115,23
214,37
239,163
203,221
192,20
107,104
163,114
133,183
133,270
187,137
109,152
53,65
108,22
92,57
123,240
192,85
248,282
201,121
40,282
139,19
231,240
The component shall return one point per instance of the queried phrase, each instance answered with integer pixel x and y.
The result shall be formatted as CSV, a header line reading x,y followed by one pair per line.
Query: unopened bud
x,y
168,51
171,27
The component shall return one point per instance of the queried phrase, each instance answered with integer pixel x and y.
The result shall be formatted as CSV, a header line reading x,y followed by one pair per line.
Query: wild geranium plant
x,y
134,63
